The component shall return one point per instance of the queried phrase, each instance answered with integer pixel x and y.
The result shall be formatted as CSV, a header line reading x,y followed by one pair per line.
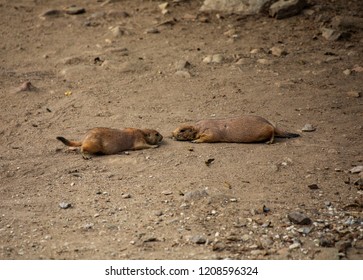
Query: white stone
x,y
248,7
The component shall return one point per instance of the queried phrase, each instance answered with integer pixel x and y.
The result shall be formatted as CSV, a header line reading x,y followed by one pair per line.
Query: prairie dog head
x,y
152,136
185,133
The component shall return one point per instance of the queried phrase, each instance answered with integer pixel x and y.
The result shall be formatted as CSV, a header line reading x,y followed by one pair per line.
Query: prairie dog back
x,y
109,141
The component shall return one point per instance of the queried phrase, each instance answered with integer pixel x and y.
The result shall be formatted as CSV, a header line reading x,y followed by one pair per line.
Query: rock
x,y
51,13
72,60
257,252
354,93
326,242
299,218
256,51
347,72
182,64
242,61
207,59
126,195
183,73
26,86
276,51
306,230
198,239
209,161
74,10
163,8
158,213
266,242
110,2
308,128
286,8
71,72
347,22
343,245
294,246
150,239
88,226
195,195
167,192
97,15
330,34
245,237
230,33
264,61
119,31
216,58
152,30
218,247
357,69
313,186
359,183
356,169
247,7
118,14
65,205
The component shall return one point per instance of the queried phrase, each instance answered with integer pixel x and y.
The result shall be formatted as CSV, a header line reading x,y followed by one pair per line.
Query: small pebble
x,y
167,192
342,246
126,195
326,242
305,230
158,213
217,58
51,13
74,10
183,73
245,237
26,86
264,61
182,64
313,186
198,239
294,246
347,72
299,218
276,51
356,169
209,161
355,94
152,30
308,128
65,205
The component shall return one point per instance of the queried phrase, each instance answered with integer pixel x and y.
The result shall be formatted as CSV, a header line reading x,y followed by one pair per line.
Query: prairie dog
x,y
244,129
107,141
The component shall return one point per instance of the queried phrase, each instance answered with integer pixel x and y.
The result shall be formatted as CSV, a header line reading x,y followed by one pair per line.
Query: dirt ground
x,y
125,64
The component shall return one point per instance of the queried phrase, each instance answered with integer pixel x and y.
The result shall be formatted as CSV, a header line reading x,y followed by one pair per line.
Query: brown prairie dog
x,y
101,140
244,129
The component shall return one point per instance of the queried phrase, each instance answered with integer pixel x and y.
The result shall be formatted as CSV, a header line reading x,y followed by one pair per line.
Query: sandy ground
x,y
167,203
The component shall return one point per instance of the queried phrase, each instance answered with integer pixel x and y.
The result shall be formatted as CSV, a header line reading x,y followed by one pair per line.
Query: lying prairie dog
x,y
107,141
244,129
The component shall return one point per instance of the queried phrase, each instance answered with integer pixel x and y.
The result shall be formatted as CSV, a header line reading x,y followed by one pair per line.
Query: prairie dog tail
x,y
69,143
284,134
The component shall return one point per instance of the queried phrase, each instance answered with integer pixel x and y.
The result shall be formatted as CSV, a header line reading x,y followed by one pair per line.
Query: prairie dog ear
x,y
145,132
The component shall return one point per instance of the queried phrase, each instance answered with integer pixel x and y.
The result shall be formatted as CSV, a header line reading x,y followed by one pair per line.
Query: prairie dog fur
x,y
107,141
243,129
